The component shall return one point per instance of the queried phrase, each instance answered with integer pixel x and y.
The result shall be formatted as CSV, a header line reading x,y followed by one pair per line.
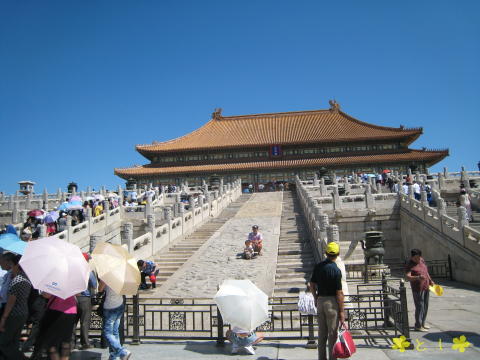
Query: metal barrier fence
x,y
376,310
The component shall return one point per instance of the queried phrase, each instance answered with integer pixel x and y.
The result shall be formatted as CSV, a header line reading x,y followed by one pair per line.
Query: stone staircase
x,y
169,261
295,260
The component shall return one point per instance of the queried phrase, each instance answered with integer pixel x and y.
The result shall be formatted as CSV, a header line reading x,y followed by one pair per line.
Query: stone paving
x,y
220,257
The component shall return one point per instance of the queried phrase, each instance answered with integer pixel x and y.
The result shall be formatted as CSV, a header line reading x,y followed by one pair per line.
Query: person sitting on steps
x,y
147,268
248,252
256,238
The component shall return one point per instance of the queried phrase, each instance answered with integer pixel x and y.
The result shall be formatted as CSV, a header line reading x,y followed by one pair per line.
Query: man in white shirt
x,y
416,190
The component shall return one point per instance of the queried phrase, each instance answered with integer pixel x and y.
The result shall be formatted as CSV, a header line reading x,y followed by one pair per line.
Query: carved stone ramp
x,y
295,259
170,261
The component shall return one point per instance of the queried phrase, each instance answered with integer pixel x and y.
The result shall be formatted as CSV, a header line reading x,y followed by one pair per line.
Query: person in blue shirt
x,y
147,268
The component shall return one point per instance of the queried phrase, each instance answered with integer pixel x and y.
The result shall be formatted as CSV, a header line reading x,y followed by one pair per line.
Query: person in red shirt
x,y
417,273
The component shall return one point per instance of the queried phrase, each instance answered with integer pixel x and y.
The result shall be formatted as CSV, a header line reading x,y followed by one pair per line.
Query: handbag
x,y
306,304
344,347
98,300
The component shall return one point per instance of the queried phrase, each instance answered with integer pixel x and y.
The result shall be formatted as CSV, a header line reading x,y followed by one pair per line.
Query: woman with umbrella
x,y
15,312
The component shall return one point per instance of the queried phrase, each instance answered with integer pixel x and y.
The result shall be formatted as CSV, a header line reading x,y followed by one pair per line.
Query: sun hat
x,y
332,248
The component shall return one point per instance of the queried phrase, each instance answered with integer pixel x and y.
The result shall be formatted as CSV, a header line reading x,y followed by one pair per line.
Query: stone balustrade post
x,y
88,214
324,223
323,187
445,172
15,213
191,203
441,207
127,236
464,178
334,178
318,211
11,202
167,215
220,187
28,200
45,199
409,173
337,205
151,223
316,182
215,195
441,181
347,186
207,196
181,208
69,221
369,200
201,199
43,230
411,194
94,240
379,188
417,176
333,234
423,198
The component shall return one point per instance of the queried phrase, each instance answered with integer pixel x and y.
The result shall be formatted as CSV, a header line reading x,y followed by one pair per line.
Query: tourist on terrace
x,y
326,287
147,268
465,201
56,327
84,308
15,312
257,239
243,340
113,309
416,190
417,273
248,252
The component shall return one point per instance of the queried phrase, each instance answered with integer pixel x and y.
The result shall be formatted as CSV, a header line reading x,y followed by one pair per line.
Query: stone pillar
x,y
316,182
379,188
417,176
220,187
318,211
464,178
333,234
462,216
410,192
201,200
151,222
337,205
207,196
28,200
323,187
324,223
127,236
94,240
45,199
88,214
347,186
215,195
43,230
334,178
191,202
15,213
423,198
167,214
441,207
441,181
369,200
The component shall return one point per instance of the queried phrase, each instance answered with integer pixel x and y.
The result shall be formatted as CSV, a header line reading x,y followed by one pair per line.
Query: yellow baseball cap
x,y
332,248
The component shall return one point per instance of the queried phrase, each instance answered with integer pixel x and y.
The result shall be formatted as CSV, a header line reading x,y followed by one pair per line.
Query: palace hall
x,y
266,148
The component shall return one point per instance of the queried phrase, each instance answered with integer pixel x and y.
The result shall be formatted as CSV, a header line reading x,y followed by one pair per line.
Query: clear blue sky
x,y
83,82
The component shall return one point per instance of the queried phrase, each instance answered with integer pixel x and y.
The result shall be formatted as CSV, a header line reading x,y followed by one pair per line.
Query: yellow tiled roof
x,y
318,126
406,156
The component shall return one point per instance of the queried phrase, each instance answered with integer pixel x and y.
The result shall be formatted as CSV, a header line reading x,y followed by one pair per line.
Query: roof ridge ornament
x,y
217,114
334,105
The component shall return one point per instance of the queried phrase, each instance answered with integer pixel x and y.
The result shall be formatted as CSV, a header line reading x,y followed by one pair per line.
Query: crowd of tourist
x,y
52,320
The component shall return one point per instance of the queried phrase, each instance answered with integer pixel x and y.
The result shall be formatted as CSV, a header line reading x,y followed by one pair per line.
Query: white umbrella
x,y
242,304
99,197
56,267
